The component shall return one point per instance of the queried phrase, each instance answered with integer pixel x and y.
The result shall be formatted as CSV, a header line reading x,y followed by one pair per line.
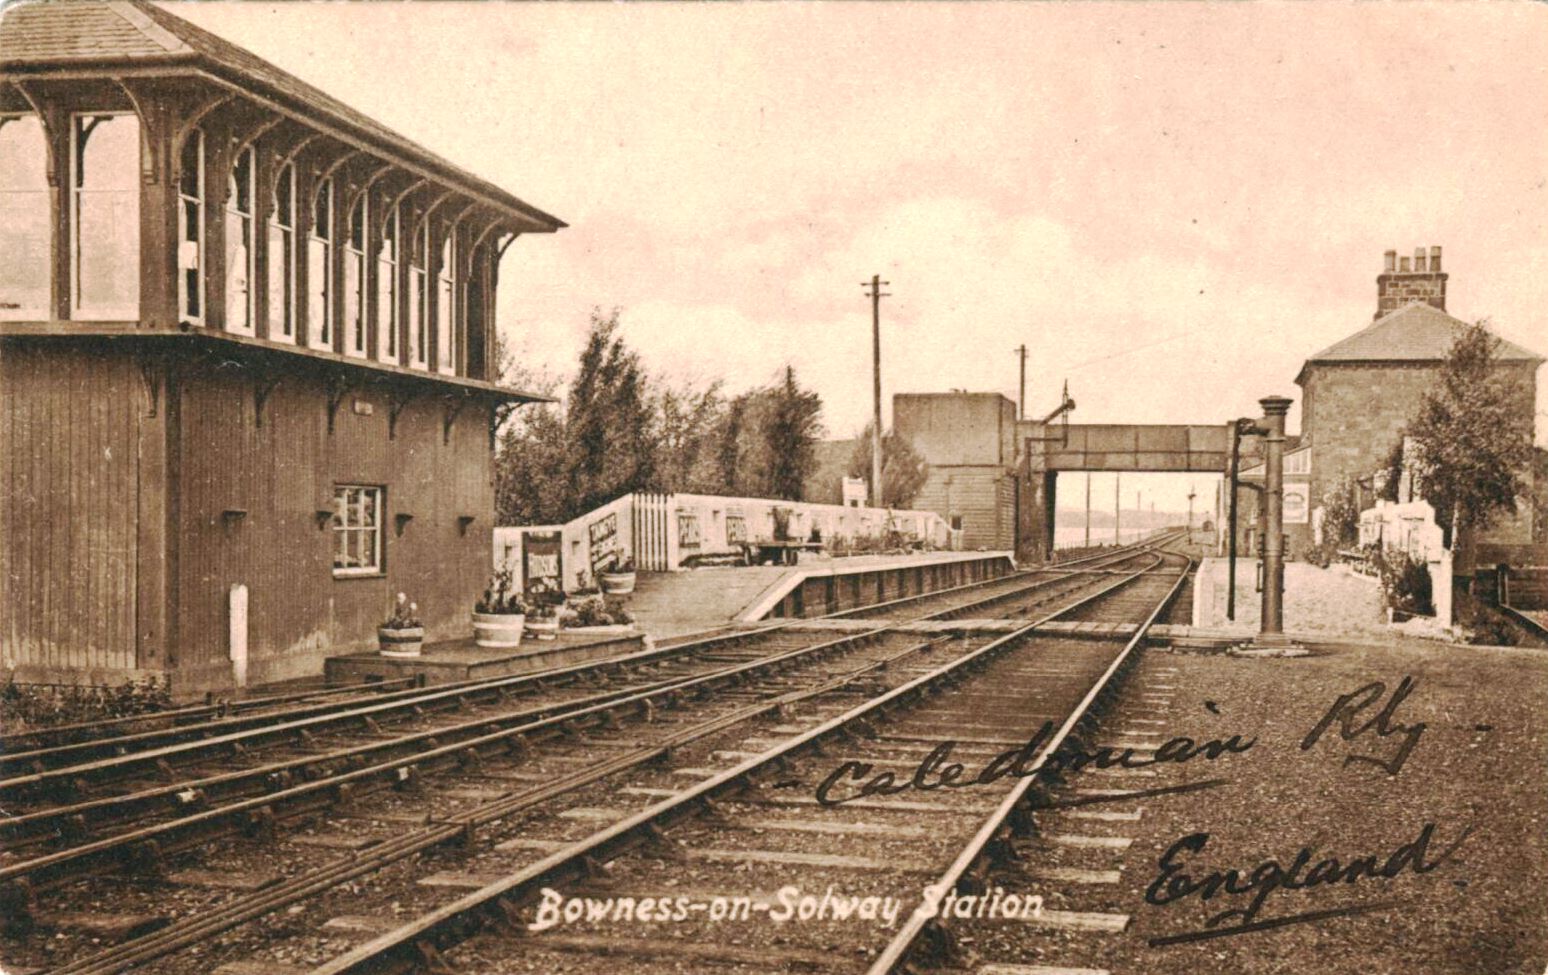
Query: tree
x,y
529,465
1392,469
1473,439
689,422
903,471
793,425
728,452
607,422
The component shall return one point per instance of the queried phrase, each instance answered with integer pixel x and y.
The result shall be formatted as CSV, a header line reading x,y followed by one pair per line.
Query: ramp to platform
x,y
668,604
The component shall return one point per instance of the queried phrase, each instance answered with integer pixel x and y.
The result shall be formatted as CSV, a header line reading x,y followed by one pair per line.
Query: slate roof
x,y
42,33
1417,332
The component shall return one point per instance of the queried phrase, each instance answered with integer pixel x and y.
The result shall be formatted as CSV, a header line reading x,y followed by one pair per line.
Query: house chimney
x,y
1404,280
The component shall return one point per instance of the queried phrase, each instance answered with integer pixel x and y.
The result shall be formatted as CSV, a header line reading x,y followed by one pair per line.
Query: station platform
x,y
459,660
669,604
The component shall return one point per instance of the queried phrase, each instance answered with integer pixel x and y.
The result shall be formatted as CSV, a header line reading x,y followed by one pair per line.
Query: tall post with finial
x,y
1271,630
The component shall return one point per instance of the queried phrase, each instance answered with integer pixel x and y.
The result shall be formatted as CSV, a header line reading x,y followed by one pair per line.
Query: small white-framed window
x,y
357,529
26,228
319,270
419,301
282,258
239,245
105,216
446,307
355,280
190,229
387,290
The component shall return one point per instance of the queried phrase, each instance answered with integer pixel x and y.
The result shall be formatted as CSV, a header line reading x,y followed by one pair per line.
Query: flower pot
x,y
405,642
544,629
616,583
498,629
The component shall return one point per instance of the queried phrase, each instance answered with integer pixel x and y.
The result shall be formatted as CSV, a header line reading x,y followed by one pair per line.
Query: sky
x,y
1172,205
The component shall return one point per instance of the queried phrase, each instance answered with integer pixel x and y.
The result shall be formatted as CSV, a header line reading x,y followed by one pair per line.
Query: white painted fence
x,y
663,531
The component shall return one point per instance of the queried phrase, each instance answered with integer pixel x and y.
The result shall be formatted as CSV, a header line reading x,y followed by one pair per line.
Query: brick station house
x,y
1359,394
247,339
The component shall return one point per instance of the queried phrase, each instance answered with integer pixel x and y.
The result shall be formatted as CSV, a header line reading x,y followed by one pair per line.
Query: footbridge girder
x,y
1050,448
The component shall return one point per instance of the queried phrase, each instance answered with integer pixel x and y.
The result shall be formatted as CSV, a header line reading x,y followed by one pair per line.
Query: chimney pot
x,y
1435,259
1391,264
1403,266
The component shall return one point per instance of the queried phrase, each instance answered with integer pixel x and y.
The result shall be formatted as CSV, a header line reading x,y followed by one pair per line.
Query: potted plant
x,y
403,633
584,586
543,620
618,578
596,615
499,616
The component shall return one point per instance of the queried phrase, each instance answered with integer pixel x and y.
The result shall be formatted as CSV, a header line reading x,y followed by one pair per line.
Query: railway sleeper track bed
x,y
71,805
449,867
745,832
39,761
441,820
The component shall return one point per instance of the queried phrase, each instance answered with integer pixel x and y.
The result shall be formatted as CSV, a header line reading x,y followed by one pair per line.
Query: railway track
x,y
743,832
682,694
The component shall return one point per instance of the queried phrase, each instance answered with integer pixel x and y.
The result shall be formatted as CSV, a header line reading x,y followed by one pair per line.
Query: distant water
x,y
1075,536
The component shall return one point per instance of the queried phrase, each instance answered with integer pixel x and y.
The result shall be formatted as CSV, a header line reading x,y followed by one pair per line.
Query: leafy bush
x,y
1485,625
596,611
1406,582
44,705
1341,513
1322,555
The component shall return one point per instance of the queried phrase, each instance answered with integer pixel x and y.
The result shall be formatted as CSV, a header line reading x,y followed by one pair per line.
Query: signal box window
x,y
357,530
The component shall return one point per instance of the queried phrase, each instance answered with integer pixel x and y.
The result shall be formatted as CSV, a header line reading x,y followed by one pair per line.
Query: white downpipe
x,y
238,633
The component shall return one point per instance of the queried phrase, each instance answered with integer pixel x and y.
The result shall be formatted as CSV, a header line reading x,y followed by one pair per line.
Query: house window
x,y
418,301
190,229
105,217
319,270
956,523
355,280
239,245
282,258
446,303
387,291
357,530
25,231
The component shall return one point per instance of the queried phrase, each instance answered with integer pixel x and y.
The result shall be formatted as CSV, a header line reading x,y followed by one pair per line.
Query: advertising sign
x,y
541,558
603,535
1297,503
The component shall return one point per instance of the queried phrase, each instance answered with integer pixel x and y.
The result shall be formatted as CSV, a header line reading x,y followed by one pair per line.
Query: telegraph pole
x,y
1088,509
1117,508
876,295
1021,403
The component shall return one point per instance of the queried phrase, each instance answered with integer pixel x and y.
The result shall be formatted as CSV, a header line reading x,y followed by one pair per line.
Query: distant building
x,y
1359,394
246,346
970,443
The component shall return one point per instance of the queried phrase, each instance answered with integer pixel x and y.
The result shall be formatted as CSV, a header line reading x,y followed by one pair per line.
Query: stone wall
x,y
1354,413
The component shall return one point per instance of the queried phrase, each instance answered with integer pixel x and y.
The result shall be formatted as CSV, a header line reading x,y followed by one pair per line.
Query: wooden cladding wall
x,y
72,430
253,498
983,497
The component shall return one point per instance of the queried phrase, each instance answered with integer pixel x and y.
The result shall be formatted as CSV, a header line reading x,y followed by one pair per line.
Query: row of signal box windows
x,y
104,248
